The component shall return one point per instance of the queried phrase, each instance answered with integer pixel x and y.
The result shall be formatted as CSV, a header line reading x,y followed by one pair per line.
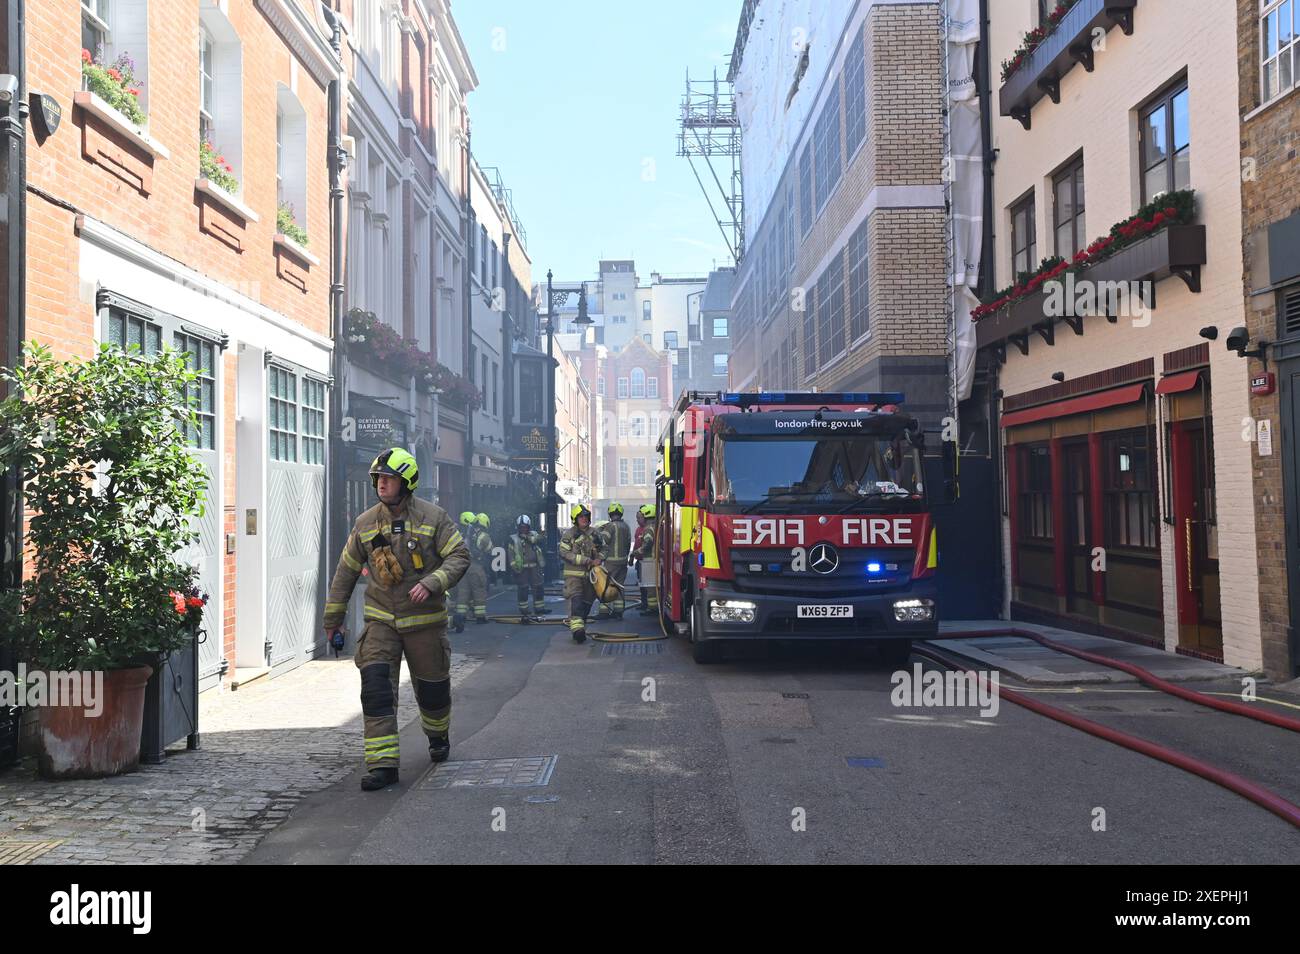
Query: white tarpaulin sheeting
x,y
966,165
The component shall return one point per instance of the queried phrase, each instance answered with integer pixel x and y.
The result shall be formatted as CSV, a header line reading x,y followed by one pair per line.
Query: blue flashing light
x,y
873,567
774,567
749,398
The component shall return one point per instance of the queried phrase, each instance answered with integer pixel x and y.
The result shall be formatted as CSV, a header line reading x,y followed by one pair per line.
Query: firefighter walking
x,y
471,594
616,536
643,554
415,555
580,549
527,563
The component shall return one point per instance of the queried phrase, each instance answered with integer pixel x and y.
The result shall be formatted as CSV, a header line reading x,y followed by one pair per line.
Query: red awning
x,y
1178,383
1079,405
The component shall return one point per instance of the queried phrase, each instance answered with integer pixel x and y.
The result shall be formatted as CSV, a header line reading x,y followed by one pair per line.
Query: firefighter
x,y
580,549
527,564
486,546
643,554
616,536
471,595
416,555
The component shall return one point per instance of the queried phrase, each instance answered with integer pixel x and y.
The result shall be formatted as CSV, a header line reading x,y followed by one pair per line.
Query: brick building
x,y
1270,135
843,285
1129,503
130,241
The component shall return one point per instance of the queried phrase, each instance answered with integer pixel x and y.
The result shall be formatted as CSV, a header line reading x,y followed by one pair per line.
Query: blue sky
x,y
577,105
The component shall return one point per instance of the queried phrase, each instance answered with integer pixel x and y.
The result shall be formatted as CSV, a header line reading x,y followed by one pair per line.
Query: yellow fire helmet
x,y
606,587
647,511
615,511
577,510
483,521
467,516
396,462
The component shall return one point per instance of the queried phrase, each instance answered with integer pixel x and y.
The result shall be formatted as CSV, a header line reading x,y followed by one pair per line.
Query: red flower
x,y
178,602
194,601
115,74
134,92
86,57
1171,211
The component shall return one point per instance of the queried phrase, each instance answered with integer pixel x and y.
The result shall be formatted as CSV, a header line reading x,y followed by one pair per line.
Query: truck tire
x,y
702,651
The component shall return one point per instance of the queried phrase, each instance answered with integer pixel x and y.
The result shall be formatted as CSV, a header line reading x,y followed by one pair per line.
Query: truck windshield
x,y
829,475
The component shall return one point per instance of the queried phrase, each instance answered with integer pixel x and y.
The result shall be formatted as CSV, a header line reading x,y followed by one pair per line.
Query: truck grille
x,y
850,579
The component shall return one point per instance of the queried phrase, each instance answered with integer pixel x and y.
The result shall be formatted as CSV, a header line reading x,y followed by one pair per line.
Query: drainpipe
x,y
988,277
336,471
13,166
507,353
469,320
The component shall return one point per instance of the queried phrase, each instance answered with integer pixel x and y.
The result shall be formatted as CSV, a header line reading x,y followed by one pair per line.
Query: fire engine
x,y
795,516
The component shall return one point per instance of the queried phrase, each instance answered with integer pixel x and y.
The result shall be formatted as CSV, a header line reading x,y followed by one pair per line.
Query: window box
x,y
135,135
283,242
223,198
1175,250
1040,73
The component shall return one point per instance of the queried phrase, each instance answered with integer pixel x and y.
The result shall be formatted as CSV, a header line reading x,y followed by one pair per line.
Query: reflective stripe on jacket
x,y
577,548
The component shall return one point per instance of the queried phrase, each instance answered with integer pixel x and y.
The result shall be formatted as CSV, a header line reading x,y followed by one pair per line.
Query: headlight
x,y
913,611
731,611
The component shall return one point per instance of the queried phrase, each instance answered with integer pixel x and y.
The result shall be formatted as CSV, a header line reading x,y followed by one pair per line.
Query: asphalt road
x,y
789,755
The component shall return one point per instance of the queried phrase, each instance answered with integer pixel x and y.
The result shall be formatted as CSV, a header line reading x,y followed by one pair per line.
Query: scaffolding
x,y
710,137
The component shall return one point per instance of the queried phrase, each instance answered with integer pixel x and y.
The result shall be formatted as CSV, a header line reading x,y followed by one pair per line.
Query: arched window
x,y
638,383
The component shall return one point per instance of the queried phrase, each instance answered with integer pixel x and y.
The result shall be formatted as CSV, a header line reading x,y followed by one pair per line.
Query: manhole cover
x,y
794,695
24,852
493,773
631,649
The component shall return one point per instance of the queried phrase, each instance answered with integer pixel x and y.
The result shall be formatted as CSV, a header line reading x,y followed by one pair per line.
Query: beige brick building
x,y
1130,503
843,283
129,240
1269,104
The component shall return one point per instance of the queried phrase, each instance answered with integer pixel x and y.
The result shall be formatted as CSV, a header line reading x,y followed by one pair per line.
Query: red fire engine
x,y
795,516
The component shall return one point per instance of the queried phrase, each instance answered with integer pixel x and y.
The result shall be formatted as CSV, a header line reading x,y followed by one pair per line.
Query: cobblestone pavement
x,y
264,747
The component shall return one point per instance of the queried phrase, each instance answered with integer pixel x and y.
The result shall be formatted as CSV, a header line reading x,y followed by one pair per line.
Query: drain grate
x,y
24,852
794,695
492,773
631,649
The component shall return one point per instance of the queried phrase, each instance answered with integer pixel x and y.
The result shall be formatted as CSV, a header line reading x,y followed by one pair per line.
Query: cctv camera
x,y
1209,332
1058,376
1238,339
8,87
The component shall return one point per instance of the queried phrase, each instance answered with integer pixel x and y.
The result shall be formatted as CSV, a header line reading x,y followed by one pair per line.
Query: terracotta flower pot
x,y
75,744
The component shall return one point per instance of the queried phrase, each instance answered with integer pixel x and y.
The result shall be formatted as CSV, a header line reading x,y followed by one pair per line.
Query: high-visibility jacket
x,y
525,552
618,538
577,548
429,549
644,544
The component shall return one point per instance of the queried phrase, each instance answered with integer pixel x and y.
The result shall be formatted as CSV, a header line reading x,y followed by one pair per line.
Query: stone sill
x,y
225,199
293,248
137,135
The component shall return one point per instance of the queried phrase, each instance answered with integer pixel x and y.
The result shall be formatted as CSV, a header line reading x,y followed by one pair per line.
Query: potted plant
x,y
115,84
214,167
286,222
113,494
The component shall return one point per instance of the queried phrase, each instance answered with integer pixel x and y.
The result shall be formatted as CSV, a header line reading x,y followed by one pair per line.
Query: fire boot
x,y
378,778
439,748
458,623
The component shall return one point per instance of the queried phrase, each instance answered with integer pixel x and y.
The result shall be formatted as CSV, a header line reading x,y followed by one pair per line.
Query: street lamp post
x,y
553,455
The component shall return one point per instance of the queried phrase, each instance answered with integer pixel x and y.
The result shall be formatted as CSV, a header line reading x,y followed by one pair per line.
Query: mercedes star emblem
x,y
824,558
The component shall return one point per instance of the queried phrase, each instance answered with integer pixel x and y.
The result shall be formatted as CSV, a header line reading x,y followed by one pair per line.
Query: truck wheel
x,y
702,651
894,652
